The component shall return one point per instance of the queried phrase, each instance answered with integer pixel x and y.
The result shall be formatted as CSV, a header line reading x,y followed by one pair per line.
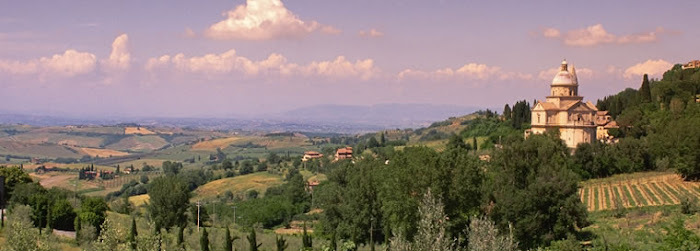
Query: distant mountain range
x,y
382,115
319,118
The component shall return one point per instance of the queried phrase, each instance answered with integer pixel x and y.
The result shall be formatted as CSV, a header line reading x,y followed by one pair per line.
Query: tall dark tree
x,y
475,144
645,90
131,238
306,240
506,112
253,241
204,240
281,243
228,242
382,139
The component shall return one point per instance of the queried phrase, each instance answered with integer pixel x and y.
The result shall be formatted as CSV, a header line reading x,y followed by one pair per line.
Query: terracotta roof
x,y
601,113
612,124
548,106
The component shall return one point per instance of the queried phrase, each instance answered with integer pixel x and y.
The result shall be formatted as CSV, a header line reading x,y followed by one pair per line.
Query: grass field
x,y
139,143
637,190
96,152
139,200
138,130
211,145
239,185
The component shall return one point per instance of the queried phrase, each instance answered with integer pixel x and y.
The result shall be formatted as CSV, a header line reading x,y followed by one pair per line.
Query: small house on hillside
x,y
308,155
343,153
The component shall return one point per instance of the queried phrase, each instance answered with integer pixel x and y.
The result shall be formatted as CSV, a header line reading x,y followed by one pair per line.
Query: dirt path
x,y
589,201
55,180
601,197
69,234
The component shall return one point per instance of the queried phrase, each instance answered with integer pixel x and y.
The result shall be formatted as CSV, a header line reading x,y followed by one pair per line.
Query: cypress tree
x,y
131,238
475,144
645,90
180,235
228,242
204,240
281,243
252,241
306,240
77,228
507,112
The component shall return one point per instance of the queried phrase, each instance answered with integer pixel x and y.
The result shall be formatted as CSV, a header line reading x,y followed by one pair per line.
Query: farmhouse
x,y
692,65
343,153
308,155
565,111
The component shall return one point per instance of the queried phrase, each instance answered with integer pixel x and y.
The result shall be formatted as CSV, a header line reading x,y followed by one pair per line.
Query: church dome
x,y
564,77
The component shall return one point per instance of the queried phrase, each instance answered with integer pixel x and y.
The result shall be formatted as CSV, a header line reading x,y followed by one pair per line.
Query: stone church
x,y
564,110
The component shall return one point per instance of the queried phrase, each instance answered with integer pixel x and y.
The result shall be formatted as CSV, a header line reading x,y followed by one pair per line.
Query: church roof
x,y
547,106
564,77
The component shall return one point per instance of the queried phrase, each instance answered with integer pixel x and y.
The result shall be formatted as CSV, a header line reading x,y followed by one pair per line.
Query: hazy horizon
x,y
225,57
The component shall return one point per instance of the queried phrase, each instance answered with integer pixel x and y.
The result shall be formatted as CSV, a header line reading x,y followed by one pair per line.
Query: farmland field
x,y
239,185
636,190
95,152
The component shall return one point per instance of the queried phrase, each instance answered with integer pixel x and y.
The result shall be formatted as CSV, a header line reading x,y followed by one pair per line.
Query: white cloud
x,y
120,58
264,20
371,33
471,71
551,33
68,64
274,65
595,35
650,67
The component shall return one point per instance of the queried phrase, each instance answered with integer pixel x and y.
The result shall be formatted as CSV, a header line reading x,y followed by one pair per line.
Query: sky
x,y
226,58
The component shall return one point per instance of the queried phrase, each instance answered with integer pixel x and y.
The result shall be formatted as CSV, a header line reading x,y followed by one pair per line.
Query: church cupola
x,y
565,82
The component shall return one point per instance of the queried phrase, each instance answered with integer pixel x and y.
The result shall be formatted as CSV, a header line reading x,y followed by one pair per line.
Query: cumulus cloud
x,y
596,35
119,58
68,64
650,67
274,65
371,33
264,20
471,71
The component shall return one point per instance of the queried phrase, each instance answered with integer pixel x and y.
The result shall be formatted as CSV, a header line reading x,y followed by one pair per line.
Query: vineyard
x,y
636,190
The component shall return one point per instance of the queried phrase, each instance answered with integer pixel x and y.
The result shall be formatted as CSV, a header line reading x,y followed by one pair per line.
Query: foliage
x,y
21,236
679,238
306,240
13,177
131,238
281,243
92,212
228,241
534,188
169,197
483,235
111,238
204,240
431,228
62,215
252,241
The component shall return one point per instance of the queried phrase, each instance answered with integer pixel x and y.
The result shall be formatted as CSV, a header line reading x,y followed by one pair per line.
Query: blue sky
x,y
219,58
